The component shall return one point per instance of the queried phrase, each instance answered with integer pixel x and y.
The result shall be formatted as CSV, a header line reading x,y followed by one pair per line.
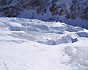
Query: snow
x,y
15,24
31,44
75,22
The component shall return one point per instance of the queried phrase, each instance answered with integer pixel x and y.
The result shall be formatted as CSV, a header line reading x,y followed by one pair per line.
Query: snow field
x,y
30,44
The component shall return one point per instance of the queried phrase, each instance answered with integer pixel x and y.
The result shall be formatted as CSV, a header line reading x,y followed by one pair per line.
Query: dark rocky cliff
x,y
70,9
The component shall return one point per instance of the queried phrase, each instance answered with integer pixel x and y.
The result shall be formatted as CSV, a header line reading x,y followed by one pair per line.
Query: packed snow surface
x,y
31,44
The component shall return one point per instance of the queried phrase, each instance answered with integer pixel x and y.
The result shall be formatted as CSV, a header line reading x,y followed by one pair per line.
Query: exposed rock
x,y
70,9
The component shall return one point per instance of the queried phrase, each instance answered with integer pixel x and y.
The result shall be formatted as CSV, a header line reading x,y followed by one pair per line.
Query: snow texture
x,y
31,44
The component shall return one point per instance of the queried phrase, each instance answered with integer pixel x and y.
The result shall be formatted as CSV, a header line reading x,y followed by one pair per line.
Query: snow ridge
x,y
31,44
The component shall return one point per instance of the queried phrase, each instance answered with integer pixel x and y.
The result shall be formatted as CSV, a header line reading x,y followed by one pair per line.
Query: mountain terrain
x,y
47,10
31,44
43,34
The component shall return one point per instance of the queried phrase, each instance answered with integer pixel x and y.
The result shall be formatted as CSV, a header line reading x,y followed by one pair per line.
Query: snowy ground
x,y
27,44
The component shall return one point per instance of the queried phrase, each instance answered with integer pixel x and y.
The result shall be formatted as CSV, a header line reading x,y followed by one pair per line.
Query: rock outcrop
x,y
48,9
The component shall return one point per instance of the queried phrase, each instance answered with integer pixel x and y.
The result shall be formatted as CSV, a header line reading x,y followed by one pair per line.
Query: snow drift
x,y
31,44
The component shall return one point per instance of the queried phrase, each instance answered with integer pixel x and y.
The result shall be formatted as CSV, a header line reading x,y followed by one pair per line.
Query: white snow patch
x,y
27,44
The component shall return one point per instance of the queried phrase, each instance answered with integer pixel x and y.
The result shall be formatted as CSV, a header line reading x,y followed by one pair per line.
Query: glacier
x,y
31,44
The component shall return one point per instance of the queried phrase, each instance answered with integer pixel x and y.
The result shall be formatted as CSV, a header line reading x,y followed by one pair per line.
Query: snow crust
x,y
31,44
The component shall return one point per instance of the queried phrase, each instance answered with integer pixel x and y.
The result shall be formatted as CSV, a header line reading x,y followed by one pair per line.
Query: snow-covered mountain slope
x,y
30,44
73,12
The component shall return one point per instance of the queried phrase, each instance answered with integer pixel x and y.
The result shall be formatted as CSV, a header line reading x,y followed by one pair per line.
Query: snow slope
x,y
31,44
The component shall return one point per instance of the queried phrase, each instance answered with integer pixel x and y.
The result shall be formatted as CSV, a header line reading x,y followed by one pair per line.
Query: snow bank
x,y
30,44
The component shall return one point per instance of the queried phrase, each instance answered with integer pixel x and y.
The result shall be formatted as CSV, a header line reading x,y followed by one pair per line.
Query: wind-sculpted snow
x,y
83,34
54,32
78,57
31,44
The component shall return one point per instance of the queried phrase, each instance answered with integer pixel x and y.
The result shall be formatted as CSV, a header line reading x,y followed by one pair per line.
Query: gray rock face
x,y
70,9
